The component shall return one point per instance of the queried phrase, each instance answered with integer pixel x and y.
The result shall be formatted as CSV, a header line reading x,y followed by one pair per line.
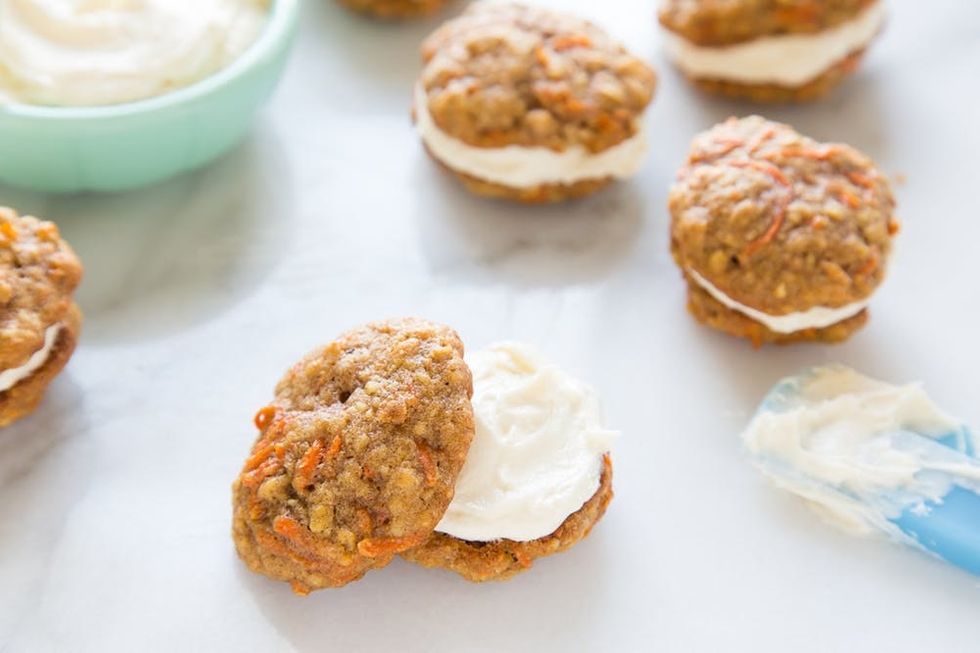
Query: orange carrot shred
x,y
859,179
258,457
780,217
264,417
850,199
570,41
8,231
870,266
428,465
306,467
288,527
299,588
335,446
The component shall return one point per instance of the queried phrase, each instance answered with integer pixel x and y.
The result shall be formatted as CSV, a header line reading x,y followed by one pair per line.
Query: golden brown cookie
x,y
357,455
725,25
503,559
779,225
39,320
395,9
509,81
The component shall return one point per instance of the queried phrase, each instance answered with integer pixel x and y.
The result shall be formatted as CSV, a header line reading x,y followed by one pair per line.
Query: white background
x,y
114,496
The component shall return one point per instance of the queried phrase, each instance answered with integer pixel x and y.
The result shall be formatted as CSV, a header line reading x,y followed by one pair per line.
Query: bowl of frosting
x,y
109,95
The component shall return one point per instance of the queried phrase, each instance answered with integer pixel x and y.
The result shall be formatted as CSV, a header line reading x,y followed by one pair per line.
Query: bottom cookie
x,y
812,90
709,311
503,559
395,9
21,400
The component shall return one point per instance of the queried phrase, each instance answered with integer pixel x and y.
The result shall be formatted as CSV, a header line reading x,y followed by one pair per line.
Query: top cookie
x,y
508,74
358,454
778,221
726,22
38,274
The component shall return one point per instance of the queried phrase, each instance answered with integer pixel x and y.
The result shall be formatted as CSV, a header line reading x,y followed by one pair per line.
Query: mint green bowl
x,y
118,147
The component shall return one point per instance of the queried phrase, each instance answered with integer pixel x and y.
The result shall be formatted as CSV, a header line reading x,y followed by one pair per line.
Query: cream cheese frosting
x,y
10,378
100,52
788,60
537,454
858,450
817,317
516,166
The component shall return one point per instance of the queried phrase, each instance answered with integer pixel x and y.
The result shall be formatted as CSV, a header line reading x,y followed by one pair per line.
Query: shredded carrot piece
x,y
334,449
894,226
8,231
727,145
569,41
280,450
254,478
258,457
299,588
428,465
542,56
850,199
762,138
375,547
870,266
864,181
288,527
780,217
306,467
264,417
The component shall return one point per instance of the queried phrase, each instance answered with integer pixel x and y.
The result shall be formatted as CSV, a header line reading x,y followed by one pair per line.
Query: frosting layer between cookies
x,y
537,454
791,59
817,317
10,378
526,167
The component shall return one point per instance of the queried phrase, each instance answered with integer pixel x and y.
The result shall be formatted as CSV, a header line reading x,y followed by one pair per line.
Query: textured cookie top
x,y
507,74
38,274
359,452
725,22
778,221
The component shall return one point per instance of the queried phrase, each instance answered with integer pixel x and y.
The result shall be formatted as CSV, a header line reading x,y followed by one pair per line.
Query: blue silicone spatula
x,y
936,510
949,528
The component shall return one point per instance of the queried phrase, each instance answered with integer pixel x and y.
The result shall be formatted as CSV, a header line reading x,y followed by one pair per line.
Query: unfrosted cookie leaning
x,y
395,9
538,476
769,50
780,238
531,105
357,456
39,320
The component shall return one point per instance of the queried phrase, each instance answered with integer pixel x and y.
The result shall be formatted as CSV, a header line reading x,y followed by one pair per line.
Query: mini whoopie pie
x,y
395,9
366,453
769,50
780,238
532,105
39,320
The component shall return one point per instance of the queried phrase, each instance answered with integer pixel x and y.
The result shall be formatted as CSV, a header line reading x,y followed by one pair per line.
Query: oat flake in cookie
x,y
531,105
769,50
357,455
780,238
39,320
395,9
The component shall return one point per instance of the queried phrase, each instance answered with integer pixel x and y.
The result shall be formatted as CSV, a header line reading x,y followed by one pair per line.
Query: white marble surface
x,y
114,496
